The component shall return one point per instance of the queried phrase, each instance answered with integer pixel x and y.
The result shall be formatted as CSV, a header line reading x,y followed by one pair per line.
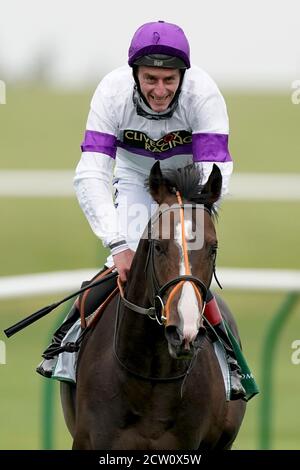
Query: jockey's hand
x,y
122,262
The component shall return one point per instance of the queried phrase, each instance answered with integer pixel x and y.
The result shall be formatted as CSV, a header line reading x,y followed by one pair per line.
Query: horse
x,y
148,377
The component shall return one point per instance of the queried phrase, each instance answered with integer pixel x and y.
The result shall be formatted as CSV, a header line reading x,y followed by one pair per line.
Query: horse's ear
x,y
213,186
156,171
157,186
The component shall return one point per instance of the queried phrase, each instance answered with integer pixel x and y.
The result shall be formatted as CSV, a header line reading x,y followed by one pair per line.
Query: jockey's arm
x,y
122,262
93,188
210,133
94,173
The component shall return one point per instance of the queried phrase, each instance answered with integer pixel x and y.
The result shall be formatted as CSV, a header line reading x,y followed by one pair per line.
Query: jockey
x,y
158,108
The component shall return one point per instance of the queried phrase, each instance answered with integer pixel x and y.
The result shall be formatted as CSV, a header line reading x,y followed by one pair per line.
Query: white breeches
x,y
135,207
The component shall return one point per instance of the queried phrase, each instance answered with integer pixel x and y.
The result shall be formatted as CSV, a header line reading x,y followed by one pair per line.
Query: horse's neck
x,y
140,342
136,328
137,292
137,284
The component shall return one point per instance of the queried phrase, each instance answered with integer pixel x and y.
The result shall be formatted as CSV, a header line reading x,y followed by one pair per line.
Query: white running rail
x,y
59,183
30,285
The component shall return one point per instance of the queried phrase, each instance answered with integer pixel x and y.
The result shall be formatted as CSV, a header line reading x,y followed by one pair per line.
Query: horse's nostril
x,y
200,337
173,336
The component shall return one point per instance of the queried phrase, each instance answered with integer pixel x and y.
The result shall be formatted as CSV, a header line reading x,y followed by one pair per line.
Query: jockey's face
x,y
158,85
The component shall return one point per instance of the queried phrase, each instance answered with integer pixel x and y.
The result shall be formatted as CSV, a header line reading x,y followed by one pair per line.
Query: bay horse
x,y
147,376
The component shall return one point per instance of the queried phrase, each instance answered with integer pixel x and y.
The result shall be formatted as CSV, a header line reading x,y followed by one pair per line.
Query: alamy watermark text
x,y
2,353
295,97
2,92
295,357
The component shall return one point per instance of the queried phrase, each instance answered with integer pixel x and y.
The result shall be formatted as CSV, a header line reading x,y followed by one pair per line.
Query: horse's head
x,y
182,252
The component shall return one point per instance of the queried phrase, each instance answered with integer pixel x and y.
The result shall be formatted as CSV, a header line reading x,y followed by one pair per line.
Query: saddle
x,y
93,301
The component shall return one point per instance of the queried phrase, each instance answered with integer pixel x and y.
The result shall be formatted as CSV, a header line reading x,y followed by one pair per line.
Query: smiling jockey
x,y
158,108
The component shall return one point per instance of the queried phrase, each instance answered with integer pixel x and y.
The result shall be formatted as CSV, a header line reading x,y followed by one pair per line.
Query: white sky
x,y
253,43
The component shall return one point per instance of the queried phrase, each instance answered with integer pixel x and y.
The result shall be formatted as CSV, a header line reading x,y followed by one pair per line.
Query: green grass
x,y
42,129
259,234
46,235
254,312
21,388
264,132
52,234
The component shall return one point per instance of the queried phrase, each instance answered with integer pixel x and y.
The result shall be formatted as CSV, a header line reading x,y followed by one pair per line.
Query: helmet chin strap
x,y
142,106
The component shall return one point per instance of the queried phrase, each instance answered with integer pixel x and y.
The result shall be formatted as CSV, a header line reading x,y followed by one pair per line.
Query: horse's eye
x,y
213,250
158,247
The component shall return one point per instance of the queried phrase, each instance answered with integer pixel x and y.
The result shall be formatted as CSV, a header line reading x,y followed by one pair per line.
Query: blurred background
x,y
52,56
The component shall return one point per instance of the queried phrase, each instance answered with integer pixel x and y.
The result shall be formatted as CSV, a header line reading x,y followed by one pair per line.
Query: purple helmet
x,y
159,44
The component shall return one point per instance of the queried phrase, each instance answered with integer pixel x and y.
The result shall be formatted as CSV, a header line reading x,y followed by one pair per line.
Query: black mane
x,y
186,180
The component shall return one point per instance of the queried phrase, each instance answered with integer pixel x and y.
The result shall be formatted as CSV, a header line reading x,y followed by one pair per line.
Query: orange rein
x,y
82,303
166,310
186,264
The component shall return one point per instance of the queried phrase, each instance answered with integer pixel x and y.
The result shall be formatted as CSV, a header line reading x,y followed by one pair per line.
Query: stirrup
x,y
237,390
238,394
46,367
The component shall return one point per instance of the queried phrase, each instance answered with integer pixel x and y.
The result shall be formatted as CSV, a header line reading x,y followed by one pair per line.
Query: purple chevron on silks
x,y
210,148
100,142
185,149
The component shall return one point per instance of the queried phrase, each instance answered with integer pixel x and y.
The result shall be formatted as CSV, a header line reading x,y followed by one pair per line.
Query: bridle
x,y
159,310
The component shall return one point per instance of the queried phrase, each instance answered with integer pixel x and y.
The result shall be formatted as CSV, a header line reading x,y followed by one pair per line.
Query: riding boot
x,y
46,367
213,315
237,389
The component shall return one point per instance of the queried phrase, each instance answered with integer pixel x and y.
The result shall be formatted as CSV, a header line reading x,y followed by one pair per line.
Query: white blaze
x,y
188,309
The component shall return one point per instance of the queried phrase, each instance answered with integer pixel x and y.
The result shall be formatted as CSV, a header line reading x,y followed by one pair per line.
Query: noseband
x,y
159,310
